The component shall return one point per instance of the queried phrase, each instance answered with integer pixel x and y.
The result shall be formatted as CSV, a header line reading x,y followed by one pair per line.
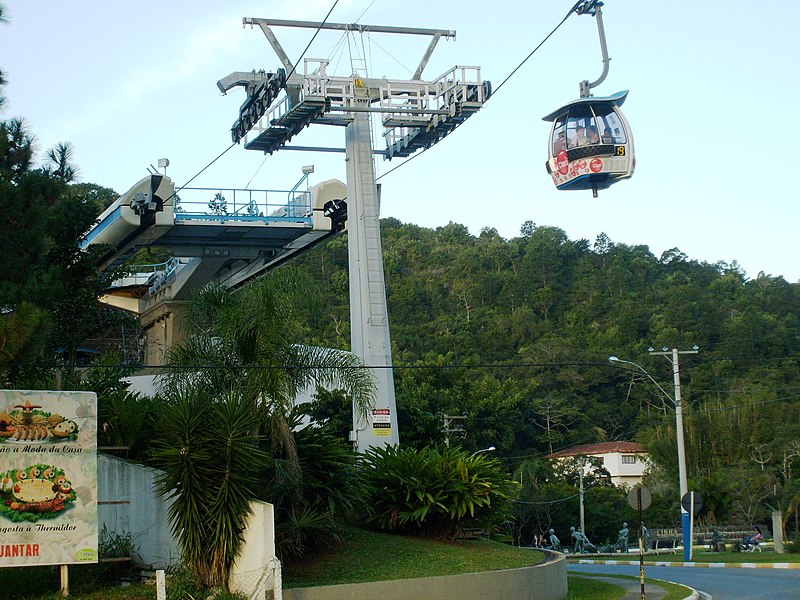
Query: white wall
x,y
624,474
144,515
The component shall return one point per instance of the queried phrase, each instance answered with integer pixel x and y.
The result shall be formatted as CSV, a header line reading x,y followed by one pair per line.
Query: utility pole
x,y
673,356
449,427
581,462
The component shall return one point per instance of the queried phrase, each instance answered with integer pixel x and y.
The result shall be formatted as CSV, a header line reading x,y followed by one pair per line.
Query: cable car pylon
x,y
415,113
591,145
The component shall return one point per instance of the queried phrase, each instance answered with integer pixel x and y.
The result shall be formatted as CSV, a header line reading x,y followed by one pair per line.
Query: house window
x,y
628,459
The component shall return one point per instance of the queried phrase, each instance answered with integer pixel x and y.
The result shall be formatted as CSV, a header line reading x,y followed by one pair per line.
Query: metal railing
x,y
243,205
432,102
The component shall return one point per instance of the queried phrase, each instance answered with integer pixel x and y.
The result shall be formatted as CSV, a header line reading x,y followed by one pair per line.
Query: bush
x,y
317,496
793,543
436,493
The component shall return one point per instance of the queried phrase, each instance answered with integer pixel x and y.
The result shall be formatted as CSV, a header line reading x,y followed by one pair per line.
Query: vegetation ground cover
x,y
25,588
577,591
585,588
87,582
511,335
369,556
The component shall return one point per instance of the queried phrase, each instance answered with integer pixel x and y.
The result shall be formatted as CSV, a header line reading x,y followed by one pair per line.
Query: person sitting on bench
x,y
752,540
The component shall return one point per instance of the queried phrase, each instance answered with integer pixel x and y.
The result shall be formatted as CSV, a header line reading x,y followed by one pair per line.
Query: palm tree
x,y
248,339
210,463
229,384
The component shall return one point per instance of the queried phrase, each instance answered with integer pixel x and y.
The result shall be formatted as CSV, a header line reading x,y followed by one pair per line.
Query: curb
x,y
695,595
664,563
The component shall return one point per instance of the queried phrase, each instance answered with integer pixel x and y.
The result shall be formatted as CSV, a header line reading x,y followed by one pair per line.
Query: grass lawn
x,y
586,588
370,556
363,556
577,591
86,582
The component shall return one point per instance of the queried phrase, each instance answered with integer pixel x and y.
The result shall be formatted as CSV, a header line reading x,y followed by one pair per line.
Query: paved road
x,y
721,583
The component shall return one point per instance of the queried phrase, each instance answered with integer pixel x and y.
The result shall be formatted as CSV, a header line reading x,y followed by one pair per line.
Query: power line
x,y
196,175
405,162
411,367
313,37
294,68
547,501
532,52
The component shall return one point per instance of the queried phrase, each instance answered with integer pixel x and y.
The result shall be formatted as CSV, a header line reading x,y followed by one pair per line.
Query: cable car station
x,y
239,234
230,236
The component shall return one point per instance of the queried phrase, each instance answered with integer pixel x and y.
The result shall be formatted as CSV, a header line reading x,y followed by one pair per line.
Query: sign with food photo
x,y
48,477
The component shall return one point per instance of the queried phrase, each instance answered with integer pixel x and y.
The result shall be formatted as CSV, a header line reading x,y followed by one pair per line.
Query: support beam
x,y
369,319
349,27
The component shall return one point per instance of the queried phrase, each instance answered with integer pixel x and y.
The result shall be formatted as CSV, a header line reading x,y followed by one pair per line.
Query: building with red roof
x,y
625,461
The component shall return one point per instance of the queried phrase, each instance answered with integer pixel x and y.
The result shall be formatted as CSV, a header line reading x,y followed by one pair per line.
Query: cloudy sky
x,y
710,83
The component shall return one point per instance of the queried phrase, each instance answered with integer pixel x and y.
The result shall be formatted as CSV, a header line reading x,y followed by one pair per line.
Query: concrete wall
x,y
144,515
547,581
259,547
137,509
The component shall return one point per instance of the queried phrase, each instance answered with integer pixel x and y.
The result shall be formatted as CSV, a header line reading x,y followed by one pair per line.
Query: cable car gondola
x,y
591,146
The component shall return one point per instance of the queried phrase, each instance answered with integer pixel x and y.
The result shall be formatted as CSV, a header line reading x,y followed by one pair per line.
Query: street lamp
x,y
684,487
489,449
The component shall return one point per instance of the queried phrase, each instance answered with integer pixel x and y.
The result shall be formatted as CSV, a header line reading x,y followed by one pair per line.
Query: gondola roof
x,y
614,99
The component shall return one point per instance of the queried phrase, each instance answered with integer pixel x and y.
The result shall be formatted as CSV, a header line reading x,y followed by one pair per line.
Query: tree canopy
x,y
515,336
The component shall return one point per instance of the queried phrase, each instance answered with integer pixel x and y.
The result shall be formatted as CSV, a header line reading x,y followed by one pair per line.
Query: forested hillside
x,y
516,334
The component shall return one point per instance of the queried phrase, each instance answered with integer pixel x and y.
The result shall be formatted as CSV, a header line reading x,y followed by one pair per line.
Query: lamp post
x,y
489,449
676,401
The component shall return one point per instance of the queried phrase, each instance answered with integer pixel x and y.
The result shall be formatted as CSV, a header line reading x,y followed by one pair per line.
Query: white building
x,y
625,461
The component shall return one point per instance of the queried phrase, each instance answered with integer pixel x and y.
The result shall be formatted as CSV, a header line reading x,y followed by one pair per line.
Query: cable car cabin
x,y
591,145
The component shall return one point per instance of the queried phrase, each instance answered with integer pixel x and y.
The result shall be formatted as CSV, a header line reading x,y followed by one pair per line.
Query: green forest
x,y
515,335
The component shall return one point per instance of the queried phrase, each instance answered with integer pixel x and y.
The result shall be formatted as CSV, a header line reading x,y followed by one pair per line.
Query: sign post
x,y
691,502
640,498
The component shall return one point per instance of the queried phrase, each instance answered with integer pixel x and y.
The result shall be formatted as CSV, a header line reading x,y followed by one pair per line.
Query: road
x,y
721,583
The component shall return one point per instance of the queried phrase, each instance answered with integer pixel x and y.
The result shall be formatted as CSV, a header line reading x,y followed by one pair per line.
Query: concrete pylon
x,y
369,320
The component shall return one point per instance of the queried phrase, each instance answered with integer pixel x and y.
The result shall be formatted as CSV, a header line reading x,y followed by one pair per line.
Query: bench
x,y
670,544
718,541
666,540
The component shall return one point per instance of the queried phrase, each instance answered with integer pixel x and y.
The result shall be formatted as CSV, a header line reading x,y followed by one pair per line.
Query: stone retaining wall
x,y
545,581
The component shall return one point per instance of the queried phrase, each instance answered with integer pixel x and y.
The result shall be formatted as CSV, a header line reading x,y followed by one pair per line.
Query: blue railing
x,y
149,275
230,204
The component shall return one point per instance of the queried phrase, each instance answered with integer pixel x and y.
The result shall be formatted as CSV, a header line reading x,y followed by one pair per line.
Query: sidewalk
x,y
701,565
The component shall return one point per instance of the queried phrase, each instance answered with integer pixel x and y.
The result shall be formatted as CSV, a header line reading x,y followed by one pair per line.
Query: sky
x,y
128,83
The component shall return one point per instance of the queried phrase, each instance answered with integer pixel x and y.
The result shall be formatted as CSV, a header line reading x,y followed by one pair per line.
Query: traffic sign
x,y
633,499
686,502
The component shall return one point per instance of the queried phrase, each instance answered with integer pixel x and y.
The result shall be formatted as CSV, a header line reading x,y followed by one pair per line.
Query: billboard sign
x,y
48,478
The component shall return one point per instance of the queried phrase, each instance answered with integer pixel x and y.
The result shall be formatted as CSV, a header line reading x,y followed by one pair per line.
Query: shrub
x,y
437,493
793,543
211,465
315,496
